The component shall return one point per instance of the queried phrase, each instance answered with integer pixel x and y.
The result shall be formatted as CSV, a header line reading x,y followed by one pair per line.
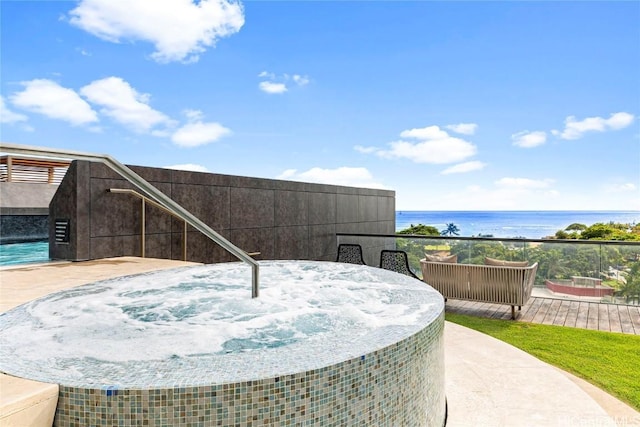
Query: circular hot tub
x,y
325,343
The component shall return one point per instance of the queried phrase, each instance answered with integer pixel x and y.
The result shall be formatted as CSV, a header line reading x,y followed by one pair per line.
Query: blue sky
x,y
454,105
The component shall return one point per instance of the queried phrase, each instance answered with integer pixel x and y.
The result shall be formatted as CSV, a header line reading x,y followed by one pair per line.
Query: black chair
x,y
396,261
350,253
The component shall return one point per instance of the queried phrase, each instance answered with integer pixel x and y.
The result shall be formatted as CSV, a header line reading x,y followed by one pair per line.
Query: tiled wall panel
x,y
279,219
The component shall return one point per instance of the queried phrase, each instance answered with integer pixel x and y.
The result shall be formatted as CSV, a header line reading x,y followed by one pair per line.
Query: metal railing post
x,y
599,261
142,233
184,241
255,291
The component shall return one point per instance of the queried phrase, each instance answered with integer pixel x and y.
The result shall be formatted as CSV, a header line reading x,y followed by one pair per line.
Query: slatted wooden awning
x,y
32,170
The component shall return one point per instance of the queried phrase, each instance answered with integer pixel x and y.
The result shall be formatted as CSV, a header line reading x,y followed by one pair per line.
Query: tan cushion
x,y
453,259
501,263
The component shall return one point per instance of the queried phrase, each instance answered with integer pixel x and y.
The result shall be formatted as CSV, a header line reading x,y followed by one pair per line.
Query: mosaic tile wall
x,y
399,385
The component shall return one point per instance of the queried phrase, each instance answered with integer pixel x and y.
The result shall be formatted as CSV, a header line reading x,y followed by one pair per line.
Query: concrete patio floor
x,y
491,383
488,382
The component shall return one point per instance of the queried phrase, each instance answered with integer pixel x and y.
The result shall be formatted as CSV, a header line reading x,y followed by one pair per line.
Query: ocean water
x,y
527,224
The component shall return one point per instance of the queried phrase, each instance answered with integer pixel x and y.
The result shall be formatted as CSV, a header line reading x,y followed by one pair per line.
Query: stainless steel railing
x,y
152,191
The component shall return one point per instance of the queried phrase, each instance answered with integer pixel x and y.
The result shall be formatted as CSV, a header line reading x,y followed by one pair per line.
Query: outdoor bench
x,y
484,283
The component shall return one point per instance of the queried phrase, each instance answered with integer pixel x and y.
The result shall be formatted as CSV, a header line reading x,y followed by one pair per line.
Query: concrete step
x,y
26,403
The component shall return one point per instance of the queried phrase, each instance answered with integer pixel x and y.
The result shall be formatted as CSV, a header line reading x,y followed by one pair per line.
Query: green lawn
x,y
608,360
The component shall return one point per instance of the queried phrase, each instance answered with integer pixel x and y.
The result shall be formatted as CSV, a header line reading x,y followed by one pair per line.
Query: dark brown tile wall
x,y
291,208
292,242
279,219
251,207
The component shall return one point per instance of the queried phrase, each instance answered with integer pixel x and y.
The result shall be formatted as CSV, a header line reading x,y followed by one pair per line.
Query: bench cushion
x,y
436,258
502,263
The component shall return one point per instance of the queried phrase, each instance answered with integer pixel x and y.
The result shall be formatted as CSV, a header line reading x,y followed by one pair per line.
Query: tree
x,y
630,289
576,227
601,231
611,231
425,230
552,262
451,229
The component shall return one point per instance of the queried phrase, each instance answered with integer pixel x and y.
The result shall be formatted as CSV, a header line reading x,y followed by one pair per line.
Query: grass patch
x,y
610,361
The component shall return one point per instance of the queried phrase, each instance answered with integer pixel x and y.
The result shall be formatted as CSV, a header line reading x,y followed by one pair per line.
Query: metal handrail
x,y
495,239
152,191
152,202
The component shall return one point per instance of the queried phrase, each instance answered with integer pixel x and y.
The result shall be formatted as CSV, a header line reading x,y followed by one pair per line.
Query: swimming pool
x,y
24,253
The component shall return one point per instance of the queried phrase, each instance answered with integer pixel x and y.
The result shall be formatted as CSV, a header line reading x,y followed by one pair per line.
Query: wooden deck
x,y
575,314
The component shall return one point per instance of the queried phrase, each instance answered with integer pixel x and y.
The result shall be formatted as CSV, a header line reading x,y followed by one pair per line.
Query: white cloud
x,y
619,120
546,195
196,132
528,139
188,167
271,87
621,188
575,129
193,115
523,183
436,147
48,98
8,116
287,174
463,128
267,75
505,194
464,167
161,133
429,132
446,150
365,150
278,84
353,177
180,30
300,80
124,104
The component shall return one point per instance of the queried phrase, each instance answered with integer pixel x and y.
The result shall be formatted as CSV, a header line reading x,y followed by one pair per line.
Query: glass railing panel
x,y
620,270
418,247
478,250
559,263
574,270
